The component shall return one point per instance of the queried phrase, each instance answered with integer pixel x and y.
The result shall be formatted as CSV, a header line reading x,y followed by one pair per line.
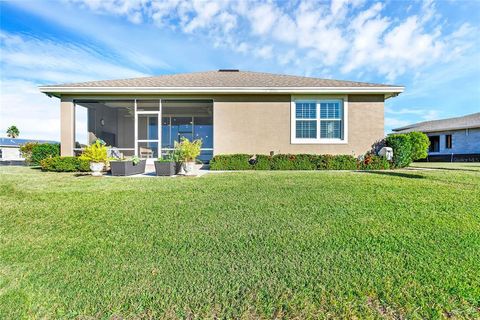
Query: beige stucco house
x,y
232,111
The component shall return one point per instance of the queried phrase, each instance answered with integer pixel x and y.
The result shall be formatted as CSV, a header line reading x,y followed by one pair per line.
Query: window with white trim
x,y
331,120
306,120
318,121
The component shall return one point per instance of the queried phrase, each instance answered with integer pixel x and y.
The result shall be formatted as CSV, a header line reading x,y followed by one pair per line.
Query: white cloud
x,y
265,52
21,104
27,57
205,13
395,123
132,9
358,33
28,62
424,114
262,18
352,35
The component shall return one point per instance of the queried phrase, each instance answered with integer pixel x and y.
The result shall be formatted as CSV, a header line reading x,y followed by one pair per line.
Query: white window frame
x,y
318,100
152,113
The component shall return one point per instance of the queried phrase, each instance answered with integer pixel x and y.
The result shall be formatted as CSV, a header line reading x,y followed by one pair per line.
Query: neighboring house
x,y
453,139
232,111
10,149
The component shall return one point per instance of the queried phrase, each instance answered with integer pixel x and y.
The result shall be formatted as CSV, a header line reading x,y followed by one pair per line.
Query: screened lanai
x,y
131,127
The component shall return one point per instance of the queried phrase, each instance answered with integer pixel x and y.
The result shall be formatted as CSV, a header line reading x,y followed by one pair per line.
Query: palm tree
x,y
13,132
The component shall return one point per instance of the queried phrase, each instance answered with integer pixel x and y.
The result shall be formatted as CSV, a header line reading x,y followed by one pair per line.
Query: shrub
x,y
188,150
65,164
26,150
337,162
420,144
97,152
402,149
294,162
263,162
373,162
283,162
231,162
43,151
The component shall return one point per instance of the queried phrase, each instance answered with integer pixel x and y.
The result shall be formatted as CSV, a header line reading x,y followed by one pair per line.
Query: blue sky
x,y
431,47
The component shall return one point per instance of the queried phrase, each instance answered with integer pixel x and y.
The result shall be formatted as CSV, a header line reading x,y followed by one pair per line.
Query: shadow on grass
x,y
449,169
397,174
82,174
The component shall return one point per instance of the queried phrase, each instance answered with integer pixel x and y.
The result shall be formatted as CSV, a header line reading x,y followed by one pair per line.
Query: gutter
x,y
56,91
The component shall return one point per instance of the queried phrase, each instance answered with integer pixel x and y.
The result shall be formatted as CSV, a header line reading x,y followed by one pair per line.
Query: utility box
x,y
386,152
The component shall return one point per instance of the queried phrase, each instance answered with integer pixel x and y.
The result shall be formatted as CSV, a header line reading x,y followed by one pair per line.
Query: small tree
x,y
42,151
13,132
27,149
420,144
402,149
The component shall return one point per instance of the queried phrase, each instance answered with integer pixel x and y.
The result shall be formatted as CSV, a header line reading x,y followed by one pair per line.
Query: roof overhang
x,y
436,130
58,91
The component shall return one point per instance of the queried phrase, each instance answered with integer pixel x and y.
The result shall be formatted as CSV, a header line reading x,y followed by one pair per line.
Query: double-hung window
x,y
306,120
318,121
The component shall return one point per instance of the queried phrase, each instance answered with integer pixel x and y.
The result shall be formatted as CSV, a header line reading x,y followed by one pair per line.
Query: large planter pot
x,y
163,168
189,168
127,168
97,168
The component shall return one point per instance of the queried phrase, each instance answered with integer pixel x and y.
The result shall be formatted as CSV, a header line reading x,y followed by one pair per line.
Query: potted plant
x,y
167,166
96,154
127,166
188,151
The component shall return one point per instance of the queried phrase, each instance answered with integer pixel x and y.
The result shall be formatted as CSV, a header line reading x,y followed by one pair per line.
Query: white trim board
x,y
212,90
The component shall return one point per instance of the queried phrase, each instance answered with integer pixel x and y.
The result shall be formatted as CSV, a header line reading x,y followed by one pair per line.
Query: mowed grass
x,y
396,244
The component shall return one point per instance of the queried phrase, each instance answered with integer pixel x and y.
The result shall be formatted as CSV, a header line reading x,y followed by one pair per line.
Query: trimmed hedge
x,y
338,162
231,162
371,162
43,151
263,162
296,162
65,164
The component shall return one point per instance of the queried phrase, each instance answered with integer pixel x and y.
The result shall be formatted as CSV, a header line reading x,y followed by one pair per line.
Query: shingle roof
x,y
465,122
228,79
10,142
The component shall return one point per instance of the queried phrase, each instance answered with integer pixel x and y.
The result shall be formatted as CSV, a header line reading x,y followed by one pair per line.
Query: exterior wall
x,y
262,123
254,124
465,141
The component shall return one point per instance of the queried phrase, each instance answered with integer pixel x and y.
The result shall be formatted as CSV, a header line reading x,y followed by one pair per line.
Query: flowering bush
x,y
373,162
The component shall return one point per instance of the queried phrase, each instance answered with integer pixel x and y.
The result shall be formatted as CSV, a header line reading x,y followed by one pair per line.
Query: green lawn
x,y
242,245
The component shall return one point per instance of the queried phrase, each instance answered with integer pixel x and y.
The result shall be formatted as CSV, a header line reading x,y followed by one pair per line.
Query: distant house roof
x,y
465,122
10,142
222,81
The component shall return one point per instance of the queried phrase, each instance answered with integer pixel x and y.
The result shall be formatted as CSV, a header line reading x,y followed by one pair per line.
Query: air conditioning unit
x,y
386,152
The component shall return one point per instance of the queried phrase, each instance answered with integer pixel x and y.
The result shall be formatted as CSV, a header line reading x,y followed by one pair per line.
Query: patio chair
x,y
146,152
